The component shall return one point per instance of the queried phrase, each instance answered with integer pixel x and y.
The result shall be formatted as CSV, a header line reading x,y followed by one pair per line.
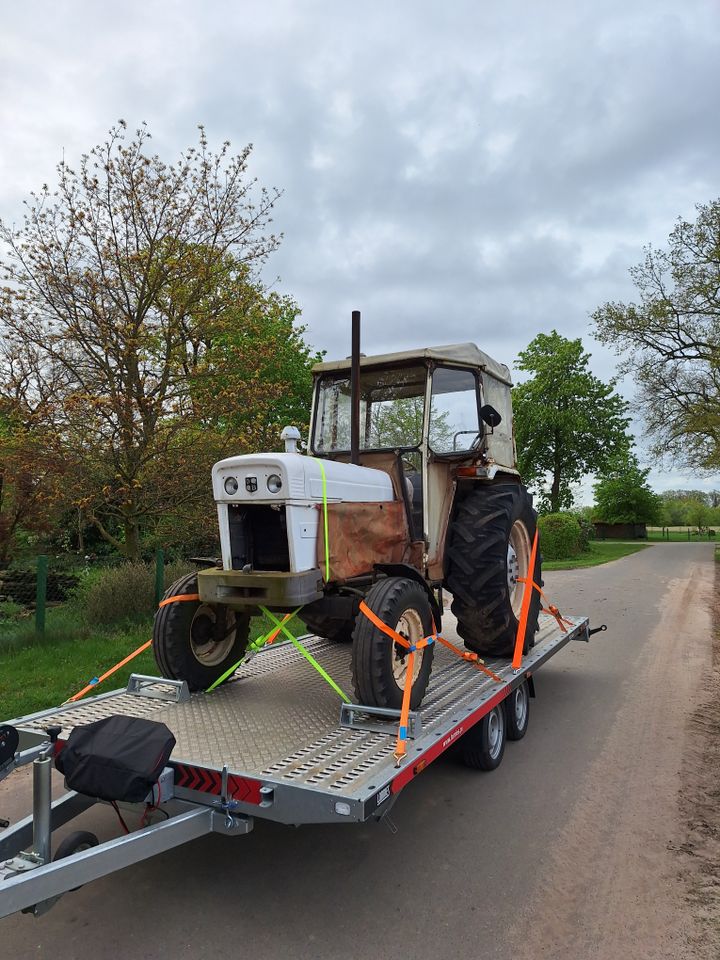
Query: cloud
x,y
456,171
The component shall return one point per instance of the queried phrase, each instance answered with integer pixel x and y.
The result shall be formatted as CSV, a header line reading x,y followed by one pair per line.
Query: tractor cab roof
x,y
454,354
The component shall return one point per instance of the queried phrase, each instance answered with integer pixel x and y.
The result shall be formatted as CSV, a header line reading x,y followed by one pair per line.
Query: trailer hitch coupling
x,y
601,629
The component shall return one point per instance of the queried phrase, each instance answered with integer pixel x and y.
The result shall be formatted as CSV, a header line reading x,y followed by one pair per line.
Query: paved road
x,y
562,852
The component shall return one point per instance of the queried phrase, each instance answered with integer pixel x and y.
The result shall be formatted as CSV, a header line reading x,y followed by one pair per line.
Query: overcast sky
x,y
457,171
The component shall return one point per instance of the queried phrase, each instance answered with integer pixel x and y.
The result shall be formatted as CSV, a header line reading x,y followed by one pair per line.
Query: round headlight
x,y
274,483
231,486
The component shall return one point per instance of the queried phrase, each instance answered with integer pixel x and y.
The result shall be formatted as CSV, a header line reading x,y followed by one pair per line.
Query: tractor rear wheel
x,y
489,544
379,666
195,641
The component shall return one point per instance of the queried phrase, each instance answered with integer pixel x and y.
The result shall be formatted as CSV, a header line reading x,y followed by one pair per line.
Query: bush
x,y
11,612
127,592
587,530
560,536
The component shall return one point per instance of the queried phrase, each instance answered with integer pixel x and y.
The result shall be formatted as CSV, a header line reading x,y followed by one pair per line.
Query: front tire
x,y
379,666
195,641
490,540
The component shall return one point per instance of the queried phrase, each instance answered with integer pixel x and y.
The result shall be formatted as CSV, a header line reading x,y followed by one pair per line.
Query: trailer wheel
x,y
490,540
74,843
195,641
483,745
517,712
379,666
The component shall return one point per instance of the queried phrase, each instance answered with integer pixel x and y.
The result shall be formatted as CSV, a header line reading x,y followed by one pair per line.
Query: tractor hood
x,y
293,477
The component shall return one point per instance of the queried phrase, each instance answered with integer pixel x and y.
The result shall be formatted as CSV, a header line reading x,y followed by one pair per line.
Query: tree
x,y
130,289
698,514
622,494
670,340
567,422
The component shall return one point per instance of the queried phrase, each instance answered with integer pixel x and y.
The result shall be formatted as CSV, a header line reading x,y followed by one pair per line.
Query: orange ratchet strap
x,y
179,597
401,745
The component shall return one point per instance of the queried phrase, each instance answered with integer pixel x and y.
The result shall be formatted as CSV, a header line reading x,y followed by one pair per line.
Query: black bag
x,y
118,758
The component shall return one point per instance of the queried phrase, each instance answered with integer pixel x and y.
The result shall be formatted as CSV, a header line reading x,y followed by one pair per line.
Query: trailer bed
x,y
275,726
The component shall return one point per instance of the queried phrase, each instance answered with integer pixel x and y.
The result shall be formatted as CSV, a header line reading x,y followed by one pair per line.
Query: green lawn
x,y
676,535
42,675
599,551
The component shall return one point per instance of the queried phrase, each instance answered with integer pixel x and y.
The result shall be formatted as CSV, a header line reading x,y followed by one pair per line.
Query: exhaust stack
x,y
355,389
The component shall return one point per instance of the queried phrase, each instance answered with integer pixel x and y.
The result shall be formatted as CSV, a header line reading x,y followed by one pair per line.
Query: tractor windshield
x,y
392,405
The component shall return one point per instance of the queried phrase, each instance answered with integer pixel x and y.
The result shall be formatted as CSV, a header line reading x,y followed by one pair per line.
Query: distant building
x,y
620,531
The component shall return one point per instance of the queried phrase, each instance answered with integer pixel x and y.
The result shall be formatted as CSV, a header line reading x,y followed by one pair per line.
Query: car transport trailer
x,y
269,743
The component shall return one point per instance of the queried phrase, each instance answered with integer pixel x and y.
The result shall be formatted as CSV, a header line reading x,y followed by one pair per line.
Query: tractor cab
x,y
422,415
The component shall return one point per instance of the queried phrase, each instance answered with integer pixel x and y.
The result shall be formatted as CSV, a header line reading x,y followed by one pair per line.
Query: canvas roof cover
x,y
461,354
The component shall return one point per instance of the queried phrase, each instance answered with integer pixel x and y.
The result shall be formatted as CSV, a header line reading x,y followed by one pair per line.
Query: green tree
x,y
568,423
670,340
674,512
622,494
698,514
131,291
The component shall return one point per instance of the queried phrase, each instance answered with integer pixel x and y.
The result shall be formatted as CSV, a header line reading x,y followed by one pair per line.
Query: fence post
x,y
159,575
41,594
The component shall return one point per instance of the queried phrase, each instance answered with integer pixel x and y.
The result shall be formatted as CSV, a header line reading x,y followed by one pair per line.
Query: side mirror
x,y
490,416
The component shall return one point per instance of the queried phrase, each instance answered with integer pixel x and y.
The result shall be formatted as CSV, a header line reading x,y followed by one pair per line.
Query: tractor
x,y
408,487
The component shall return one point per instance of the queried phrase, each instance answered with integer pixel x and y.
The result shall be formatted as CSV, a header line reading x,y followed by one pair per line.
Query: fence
x,y
26,592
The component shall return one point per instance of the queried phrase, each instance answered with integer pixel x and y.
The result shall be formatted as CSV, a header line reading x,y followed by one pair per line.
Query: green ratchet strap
x,y
325,517
252,647
306,653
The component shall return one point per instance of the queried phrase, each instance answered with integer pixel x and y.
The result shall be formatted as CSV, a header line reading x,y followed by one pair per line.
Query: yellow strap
x,y
325,516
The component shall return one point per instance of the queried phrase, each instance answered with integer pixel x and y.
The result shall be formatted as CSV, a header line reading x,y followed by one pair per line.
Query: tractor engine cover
x,y
270,506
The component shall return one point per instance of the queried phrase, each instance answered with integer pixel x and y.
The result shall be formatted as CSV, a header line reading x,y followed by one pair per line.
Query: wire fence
x,y
28,590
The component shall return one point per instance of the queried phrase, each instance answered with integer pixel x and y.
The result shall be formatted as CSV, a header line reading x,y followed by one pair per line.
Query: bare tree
x,y
671,340
109,281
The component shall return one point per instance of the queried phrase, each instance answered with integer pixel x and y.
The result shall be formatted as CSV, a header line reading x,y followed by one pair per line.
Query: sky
x,y
456,171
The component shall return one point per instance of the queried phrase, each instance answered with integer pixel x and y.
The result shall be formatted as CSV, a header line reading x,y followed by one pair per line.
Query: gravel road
x,y
576,848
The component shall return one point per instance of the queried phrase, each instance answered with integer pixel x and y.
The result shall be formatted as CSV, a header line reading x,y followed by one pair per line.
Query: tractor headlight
x,y
274,483
231,486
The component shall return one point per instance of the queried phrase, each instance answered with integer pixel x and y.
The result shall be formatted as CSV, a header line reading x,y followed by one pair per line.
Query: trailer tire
x,y
74,843
517,712
195,641
379,665
489,543
483,745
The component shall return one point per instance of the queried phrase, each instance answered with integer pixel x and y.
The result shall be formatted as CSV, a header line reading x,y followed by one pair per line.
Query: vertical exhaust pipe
x,y
355,389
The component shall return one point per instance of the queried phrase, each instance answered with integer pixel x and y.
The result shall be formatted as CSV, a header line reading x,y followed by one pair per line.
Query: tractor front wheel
x,y
196,641
380,666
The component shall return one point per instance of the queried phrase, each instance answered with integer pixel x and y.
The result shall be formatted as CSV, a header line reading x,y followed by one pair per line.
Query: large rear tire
x,y
489,544
379,666
195,641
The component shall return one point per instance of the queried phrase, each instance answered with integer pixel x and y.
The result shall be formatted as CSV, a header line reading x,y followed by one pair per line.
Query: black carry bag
x,y
118,758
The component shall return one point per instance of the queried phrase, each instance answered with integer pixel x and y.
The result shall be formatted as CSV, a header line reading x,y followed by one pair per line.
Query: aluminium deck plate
x,y
278,721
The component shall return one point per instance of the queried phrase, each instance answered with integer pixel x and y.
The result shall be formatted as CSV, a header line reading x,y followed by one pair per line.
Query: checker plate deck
x,y
278,720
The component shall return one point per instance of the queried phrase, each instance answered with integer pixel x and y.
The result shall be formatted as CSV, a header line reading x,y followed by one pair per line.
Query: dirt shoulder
x,y
699,802
631,852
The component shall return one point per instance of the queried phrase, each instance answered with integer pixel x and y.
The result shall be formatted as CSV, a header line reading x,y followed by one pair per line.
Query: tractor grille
x,y
258,536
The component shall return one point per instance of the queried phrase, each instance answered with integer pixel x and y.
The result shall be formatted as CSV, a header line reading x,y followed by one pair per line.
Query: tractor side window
x,y
454,421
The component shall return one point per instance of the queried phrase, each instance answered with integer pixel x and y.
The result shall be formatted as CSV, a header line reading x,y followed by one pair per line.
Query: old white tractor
x,y
409,488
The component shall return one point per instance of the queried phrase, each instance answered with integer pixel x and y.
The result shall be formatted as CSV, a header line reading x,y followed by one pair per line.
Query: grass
x,y
676,535
598,551
39,673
